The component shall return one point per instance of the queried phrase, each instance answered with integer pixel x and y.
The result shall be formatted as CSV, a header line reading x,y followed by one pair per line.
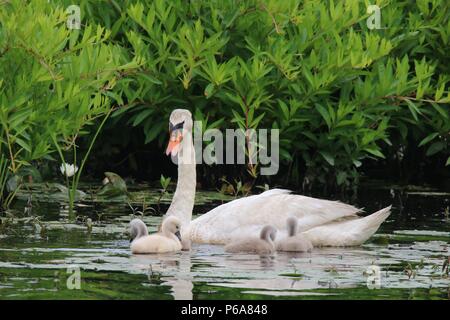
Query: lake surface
x,y
43,250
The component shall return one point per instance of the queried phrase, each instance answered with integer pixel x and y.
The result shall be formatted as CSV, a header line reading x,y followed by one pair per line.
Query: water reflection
x,y
409,252
292,273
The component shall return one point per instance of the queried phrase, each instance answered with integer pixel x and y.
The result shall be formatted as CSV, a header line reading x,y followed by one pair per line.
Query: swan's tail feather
x,y
348,233
376,219
369,225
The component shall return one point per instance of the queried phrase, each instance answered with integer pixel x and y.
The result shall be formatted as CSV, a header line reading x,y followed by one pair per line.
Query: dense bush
x,y
339,92
53,82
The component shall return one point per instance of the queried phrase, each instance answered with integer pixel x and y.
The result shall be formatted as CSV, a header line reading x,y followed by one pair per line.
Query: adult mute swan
x,y
263,245
328,223
295,242
168,240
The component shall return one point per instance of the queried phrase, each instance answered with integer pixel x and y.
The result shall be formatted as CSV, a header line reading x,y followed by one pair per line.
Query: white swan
x,y
264,244
295,242
324,222
168,240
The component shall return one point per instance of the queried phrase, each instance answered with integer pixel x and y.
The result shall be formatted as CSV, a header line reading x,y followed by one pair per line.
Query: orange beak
x,y
174,143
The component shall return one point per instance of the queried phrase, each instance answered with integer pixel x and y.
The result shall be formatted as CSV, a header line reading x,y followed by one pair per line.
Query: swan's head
x,y
137,229
291,224
268,233
171,225
180,124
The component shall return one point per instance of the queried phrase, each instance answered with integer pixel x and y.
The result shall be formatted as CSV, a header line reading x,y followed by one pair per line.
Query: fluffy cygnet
x,y
168,240
263,245
295,242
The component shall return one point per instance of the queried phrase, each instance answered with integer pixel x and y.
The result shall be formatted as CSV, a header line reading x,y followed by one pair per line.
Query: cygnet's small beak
x,y
178,234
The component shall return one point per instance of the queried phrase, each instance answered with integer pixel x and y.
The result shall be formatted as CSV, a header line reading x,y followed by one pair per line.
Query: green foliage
x,y
164,182
337,91
340,94
54,81
4,174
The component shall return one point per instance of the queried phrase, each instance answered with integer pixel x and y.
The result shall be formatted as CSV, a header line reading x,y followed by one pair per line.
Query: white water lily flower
x,y
68,169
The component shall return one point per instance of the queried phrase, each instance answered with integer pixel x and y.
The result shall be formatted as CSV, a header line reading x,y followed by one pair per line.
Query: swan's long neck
x,y
184,197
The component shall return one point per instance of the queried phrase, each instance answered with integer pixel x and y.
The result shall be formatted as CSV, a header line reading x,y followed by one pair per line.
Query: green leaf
x,y
151,134
324,113
413,109
309,76
328,157
341,177
284,109
258,119
164,182
23,144
375,152
310,135
150,78
285,154
357,163
209,90
435,148
428,138
439,109
142,116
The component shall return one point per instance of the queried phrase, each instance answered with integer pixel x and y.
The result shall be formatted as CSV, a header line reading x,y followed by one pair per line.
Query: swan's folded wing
x,y
270,207
316,212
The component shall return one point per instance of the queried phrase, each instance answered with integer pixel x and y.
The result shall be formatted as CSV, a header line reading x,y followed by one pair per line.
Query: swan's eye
x,y
175,127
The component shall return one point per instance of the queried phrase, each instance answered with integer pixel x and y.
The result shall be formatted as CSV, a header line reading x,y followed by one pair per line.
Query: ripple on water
x,y
34,264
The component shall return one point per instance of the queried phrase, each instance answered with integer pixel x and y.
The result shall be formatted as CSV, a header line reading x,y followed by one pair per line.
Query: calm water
x,y
39,251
